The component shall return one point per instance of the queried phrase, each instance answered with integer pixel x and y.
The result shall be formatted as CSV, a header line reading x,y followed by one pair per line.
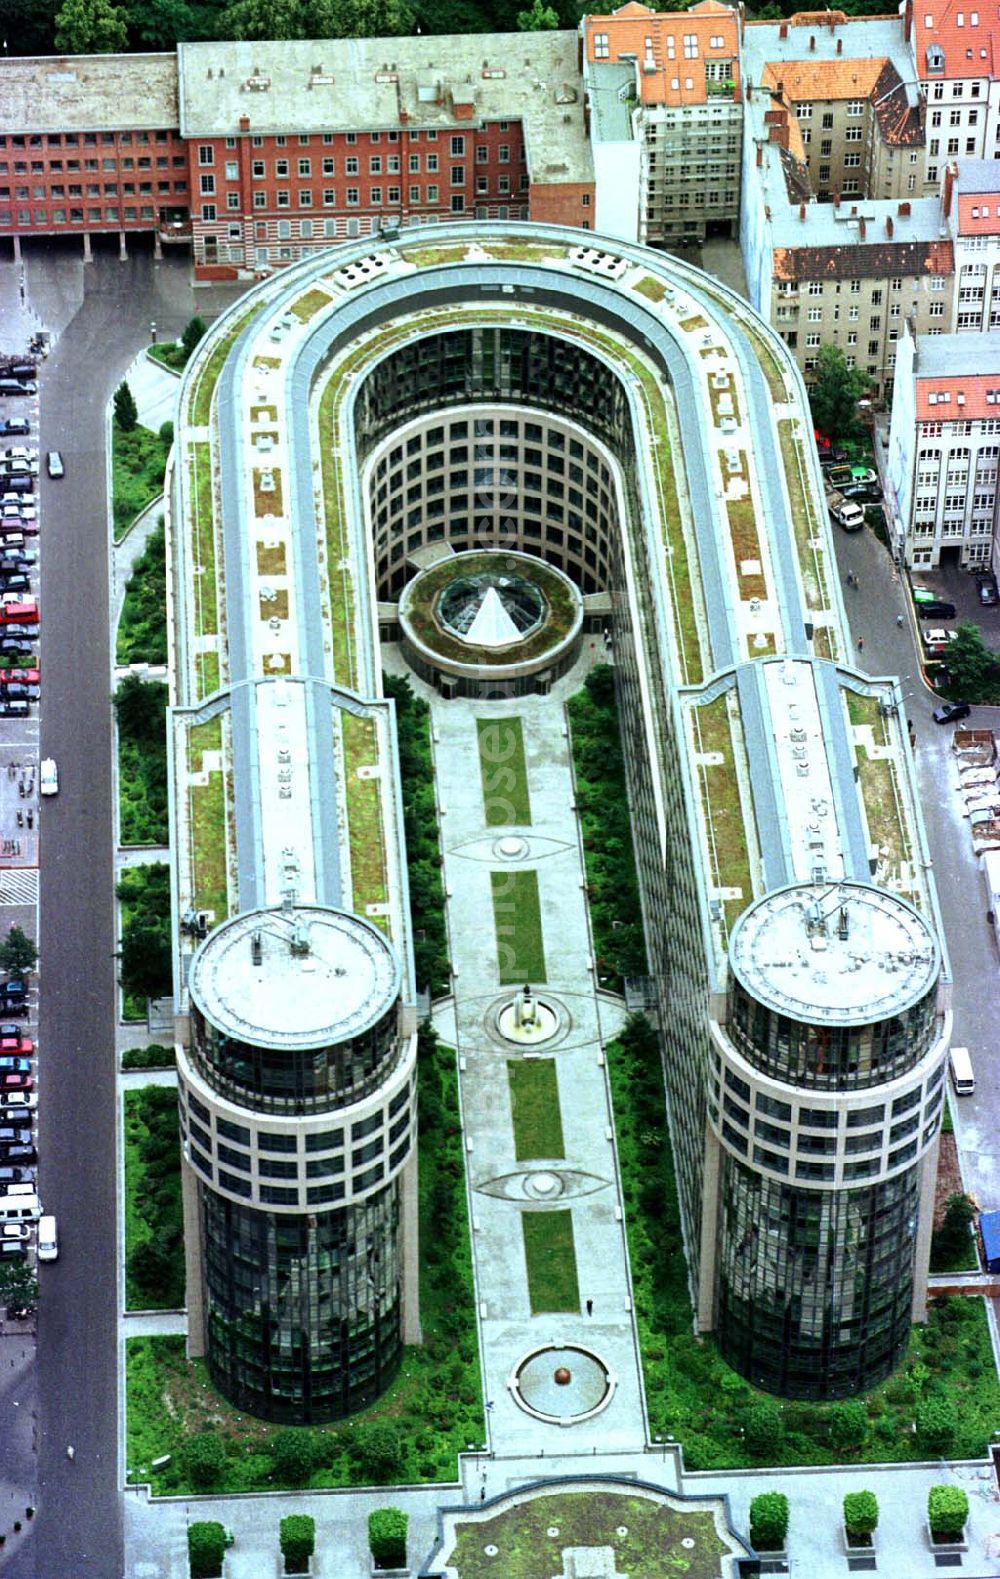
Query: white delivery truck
x,y
963,1076
990,863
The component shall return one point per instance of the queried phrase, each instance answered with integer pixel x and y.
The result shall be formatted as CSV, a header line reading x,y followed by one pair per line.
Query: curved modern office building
x,y
499,396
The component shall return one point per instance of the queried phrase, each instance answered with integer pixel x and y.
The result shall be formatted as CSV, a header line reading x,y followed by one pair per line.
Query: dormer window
x,y
935,59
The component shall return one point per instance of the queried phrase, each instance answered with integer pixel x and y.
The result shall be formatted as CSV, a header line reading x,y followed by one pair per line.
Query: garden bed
x,y
138,464
142,627
154,1249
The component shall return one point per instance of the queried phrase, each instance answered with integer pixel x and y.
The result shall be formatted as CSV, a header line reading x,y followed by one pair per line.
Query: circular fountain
x,y
527,1021
562,1383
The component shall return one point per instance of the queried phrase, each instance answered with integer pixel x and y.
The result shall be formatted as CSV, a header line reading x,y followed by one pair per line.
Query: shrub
x,y
763,1428
193,332
206,1548
377,1453
849,1425
387,1537
423,848
298,1541
155,1056
936,1425
205,1460
953,1244
947,1511
769,1521
142,629
166,432
860,1512
293,1456
126,411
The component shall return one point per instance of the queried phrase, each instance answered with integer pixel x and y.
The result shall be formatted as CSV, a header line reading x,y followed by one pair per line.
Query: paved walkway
x,y
508,1330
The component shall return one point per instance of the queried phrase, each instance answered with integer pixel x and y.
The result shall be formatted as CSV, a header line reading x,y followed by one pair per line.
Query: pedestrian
x,y
71,1452
899,621
482,1493
590,1307
861,644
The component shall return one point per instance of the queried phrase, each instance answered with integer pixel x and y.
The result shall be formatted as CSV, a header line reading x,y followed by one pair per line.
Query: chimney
x,y
950,172
579,53
862,227
812,43
783,30
244,123
760,156
889,227
836,200
586,116
907,19
903,210
840,46
802,211
780,89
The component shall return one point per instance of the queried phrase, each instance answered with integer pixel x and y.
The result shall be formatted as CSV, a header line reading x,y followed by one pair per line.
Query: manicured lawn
x,y
209,830
534,1102
503,771
429,1414
649,1549
550,1259
364,813
138,462
518,921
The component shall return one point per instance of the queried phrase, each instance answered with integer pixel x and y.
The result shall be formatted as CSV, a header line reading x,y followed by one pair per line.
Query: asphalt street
x,y
99,315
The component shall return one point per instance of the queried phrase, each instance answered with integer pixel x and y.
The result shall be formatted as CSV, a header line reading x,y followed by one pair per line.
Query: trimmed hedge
x,y
947,1512
860,1513
769,1521
206,1548
141,714
387,1537
155,1056
423,849
298,1542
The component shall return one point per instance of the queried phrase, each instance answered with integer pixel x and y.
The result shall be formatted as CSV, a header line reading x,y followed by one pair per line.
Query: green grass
x,y
369,883
534,1103
142,764
204,387
518,922
207,822
155,1056
138,462
503,771
171,356
142,628
550,1261
154,1275
430,1413
649,1549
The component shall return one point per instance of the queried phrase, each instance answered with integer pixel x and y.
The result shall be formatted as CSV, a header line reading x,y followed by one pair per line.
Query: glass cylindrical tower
x,y
827,1096
297,1108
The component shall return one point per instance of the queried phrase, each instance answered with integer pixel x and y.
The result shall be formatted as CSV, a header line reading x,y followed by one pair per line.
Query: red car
x,y
20,677
19,613
16,1083
17,1044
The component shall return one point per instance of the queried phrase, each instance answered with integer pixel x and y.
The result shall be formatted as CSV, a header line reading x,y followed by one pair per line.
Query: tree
x,y
260,19
31,23
204,1460
972,664
194,331
860,1513
90,27
141,710
298,1541
952,1244
835,393
377,1452
947,1511
769,1521
160,24
848,1425
146,960
18,954
539,19
126,411
936,1426
361,18
293,1456
206,1548
387,1537
152,1268
18,1286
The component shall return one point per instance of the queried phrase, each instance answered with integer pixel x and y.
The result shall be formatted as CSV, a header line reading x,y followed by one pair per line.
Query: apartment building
x,y
970,204
955,61
90,144
944,447
666,120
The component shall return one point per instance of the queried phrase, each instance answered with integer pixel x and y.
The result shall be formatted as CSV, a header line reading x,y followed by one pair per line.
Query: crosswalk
x,y
19,887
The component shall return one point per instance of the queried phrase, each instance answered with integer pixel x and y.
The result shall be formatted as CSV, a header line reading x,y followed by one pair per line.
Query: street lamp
x,y
152,331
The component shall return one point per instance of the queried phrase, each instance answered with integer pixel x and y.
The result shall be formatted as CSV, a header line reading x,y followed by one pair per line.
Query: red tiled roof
x,y
968,48
672,78
966,398
858,260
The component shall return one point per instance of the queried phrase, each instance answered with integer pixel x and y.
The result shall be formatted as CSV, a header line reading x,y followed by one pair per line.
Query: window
x,y
352,197
207,185
815,315
827,121
232,170
432,163
805,111
375,164
690,46
305,167
207,212
458,147
812,341
826,148
855,107
281,169
305,198
852,161
457,203
814,288
458,175
206,153
601,51
852,134
873,348
283,199
351,165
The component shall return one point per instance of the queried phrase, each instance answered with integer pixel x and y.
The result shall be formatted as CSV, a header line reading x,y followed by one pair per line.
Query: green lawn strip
x,y
550,1260
503,771
693,1395
431,964
517,918
173,357
200,398
337,542
142,628
154,1251
138,462
142,762
806,527
203,545
534,1104
722,805
433,1409
369,884
606,828
209,834
649,1548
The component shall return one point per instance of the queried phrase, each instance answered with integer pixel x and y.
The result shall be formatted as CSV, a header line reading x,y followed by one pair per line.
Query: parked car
x,y
15,1231
18,1101
20,676
15,581
935,609
15,426
14,386
20,611
9,1064
17,707
20,693
988,592
863,493
10,1136
54,463
951,712
18,1043
10,1030
22,1153
14,987
16,1082
13,1250
16,647
936,641
11,1175
19,452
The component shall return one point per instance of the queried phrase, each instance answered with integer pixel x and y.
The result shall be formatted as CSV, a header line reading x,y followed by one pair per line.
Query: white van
x,y
48,1242
20,1208
48,778
962,1074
